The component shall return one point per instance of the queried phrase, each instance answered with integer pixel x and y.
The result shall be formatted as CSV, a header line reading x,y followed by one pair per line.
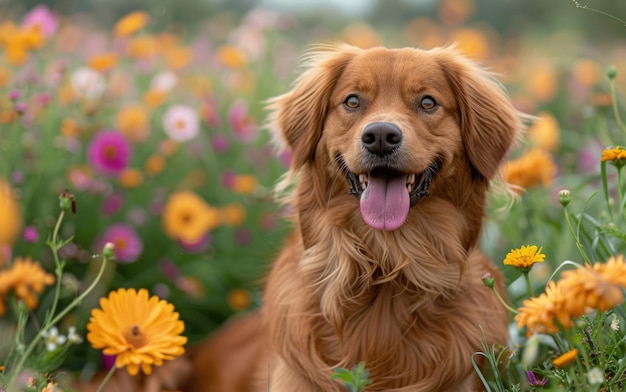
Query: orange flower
x,y
232,214
142,47
139,331
244,184
187,217
239,299
130,178
10,215
534,168
565,359
542,81
544,133
538,314
155,164
26,278
472,42
231,56
130,24
524,257
103,62
178,58
154,98
69,128
616,155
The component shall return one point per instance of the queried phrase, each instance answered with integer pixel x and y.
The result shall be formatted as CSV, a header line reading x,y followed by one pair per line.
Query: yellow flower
x,y
534,168
538,314
524,257
133,122
130,24
471,41
178,58
140,331
103,62
542,81
10,215
616,155
565,359
544,133
187,217
154,98
142,47
26,278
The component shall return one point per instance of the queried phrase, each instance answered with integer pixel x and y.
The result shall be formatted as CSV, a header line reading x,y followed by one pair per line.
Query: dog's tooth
x,y
363,177
410,179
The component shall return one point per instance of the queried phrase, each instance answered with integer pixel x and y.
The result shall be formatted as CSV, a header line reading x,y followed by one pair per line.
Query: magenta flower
x,y
128,244
533,381
30,234
220,143
112,204
109,152
43,18
240,122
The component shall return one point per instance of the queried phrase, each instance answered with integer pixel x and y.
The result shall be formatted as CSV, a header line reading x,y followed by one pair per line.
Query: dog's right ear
x,y
297,117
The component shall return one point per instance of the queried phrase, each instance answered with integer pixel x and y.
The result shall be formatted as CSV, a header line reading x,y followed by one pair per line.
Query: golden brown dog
x,y
393,153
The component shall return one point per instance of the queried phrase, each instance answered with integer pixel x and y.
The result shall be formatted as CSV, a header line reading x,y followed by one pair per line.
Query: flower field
x,y
135,168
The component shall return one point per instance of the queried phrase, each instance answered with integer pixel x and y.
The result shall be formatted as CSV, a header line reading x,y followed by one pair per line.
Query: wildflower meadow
x,y
137,208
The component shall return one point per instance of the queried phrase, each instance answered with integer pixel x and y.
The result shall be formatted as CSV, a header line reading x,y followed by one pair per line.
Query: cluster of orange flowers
x,y
578,292
17,42
25,278
616,155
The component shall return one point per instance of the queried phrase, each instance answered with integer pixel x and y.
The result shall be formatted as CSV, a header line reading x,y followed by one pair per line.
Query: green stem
x,y
616,113
106,378
72,305
503,302
576,240
58,271
528,284
570,341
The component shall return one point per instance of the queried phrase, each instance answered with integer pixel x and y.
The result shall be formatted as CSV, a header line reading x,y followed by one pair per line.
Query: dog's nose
x,y
381,138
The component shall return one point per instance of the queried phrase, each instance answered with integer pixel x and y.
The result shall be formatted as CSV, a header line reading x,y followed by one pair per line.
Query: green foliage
x,y
355,379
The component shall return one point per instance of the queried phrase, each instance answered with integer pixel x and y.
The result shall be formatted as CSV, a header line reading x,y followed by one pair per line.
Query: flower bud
x,y
109,251
67,201
488,280
564,197
611,72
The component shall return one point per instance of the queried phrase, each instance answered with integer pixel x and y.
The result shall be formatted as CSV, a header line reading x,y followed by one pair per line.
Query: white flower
x,y
615,323
53,339
164,81
73,337
88,83
595,376
181,123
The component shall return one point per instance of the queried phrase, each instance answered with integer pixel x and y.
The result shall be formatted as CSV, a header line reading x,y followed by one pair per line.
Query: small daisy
x,y
595,376
181,123
73,337
87,83
524,257
53,339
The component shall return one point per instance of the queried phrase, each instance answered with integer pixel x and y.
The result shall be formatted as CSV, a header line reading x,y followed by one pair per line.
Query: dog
x,y
393,154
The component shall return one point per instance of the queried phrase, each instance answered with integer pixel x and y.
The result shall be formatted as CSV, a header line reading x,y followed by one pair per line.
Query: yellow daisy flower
x,y
616,155
187,217
140,331
565,359
524,257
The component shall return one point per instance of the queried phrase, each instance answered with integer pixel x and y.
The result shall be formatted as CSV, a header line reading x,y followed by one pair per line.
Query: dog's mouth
x,y
386,195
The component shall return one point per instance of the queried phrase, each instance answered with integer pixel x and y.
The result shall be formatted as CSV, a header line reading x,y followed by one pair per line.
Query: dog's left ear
x,y
489,123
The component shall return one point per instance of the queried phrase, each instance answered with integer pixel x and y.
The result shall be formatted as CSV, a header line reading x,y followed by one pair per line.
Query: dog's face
x,y
393,123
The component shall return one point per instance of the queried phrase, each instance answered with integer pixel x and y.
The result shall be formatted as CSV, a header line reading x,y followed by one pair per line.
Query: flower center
x,y
135,337
180,124
110,152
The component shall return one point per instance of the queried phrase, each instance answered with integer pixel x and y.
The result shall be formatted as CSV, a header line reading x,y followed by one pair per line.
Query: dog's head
x,y
394,123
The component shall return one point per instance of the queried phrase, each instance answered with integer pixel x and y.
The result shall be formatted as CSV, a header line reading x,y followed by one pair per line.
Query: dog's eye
x,y
352,102
428,103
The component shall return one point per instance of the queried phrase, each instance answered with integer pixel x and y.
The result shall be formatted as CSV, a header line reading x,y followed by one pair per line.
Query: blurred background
x,y
194,215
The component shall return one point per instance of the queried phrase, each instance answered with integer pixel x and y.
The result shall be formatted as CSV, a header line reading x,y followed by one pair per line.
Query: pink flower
x,y
112,204
241,123
128,245
30,234
181,123
109,152
43,18
220,143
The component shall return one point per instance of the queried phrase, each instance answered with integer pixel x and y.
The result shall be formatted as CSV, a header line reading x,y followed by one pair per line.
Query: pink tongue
x,y
385,202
